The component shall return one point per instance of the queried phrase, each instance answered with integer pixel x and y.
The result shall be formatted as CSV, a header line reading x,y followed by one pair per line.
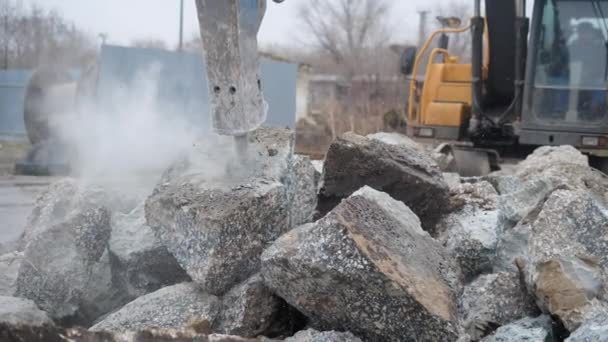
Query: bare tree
x,y
345,29
194,44
152,43
460,44
34,37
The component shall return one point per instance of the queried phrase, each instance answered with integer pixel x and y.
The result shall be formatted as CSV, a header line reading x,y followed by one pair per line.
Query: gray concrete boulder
x,y
367,267
140,263
496,299
68,195
65,268
200,213
518,204
19,311
513,245
251,309
504,184
51,207
218,230
568,254
526,329
594,327
301,188
58,334
470,231
174,307
453,180
398,139
404,172
311,335
9,270
270,156
546,156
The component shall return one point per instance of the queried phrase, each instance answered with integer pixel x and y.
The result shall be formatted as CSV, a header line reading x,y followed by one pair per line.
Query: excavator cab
x,y
544,83
565,99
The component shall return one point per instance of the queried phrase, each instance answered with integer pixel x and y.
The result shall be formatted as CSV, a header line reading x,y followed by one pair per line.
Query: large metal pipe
x,y
477,30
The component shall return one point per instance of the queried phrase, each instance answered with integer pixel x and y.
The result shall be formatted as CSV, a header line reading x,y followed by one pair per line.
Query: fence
x,y
182,80
12,94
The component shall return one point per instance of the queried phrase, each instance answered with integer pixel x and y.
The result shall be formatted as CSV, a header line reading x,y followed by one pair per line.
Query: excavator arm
x,y
229,31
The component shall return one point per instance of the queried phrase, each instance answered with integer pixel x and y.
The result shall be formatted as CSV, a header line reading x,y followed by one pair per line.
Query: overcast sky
x,y
125,20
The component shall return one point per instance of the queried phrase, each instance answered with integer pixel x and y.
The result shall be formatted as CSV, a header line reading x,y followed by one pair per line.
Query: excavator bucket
x,y
468,161
229,33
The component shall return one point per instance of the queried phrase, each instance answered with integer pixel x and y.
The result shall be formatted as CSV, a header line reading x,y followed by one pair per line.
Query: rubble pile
x,y
374,244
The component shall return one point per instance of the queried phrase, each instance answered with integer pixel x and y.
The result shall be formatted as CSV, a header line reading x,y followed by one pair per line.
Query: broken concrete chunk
x,y
140,264
526,329
312,335
396,139
517,204
504,184
21,312
512,245
9,270
179,306
65,268
595,325
54,333
567,287
470,232
496,299
218,230
301,188
568,254
249,310
452,180
51,207
546,156
369,268
405,173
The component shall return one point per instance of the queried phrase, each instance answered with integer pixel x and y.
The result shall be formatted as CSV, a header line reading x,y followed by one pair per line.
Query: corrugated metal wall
x,y
12,93
182,82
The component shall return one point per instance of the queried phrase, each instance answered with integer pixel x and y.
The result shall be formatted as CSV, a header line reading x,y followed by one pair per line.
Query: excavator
x,y
530,82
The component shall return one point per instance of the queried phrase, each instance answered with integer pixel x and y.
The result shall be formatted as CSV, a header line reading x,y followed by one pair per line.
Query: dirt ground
x,y
10,152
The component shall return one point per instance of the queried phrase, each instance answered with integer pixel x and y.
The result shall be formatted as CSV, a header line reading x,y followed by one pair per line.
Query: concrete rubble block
x,y
517,204
66,196
594,327
140,263
369,268
311,335
217,230
51,207
453,180
396,139
24,312
301,191
495,300
66,270
470,231
512,246
57,334
526,329
180,306
404,172
568,254
576,177
9,270
504,184
546,156
250,309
